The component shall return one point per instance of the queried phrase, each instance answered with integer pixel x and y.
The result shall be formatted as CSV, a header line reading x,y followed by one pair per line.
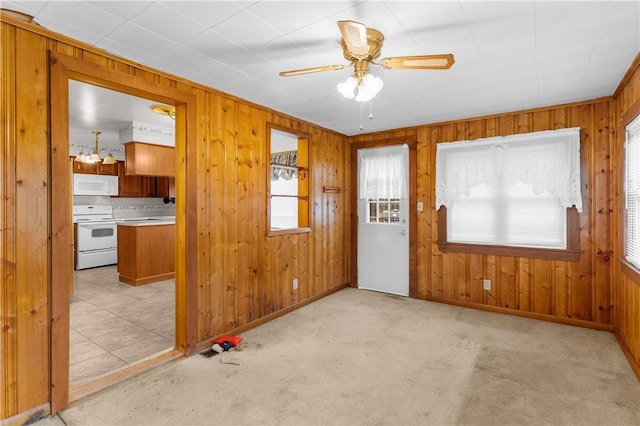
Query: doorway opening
x,y
384,224
65,69
115,324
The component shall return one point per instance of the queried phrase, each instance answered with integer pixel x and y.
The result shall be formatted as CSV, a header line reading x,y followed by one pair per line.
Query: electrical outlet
x,y
295,283
486,284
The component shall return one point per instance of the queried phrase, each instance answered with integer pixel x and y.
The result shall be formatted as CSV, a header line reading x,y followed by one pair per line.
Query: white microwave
x,y
84,184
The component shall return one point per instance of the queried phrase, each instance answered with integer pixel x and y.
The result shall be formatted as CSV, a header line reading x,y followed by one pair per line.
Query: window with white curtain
x,y
510,191
383,182
632,192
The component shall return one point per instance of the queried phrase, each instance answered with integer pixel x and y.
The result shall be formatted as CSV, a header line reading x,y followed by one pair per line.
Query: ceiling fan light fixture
x,y
369,88
347,88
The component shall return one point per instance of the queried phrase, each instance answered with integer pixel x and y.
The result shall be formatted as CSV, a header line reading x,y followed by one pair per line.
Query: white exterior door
x,y
383,233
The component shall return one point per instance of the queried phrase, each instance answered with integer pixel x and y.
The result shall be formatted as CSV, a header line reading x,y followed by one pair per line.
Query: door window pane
x,y
384,210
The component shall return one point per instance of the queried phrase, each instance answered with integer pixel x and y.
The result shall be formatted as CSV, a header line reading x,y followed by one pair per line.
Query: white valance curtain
x,y
383,176
284,165
549,161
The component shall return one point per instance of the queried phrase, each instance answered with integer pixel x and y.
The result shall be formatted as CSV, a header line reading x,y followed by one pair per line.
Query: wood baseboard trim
x,y
146,280
79,392
29,416
206,344
531,315
634,363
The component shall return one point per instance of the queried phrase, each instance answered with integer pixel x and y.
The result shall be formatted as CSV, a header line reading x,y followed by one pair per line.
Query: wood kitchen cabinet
x,y
162,187
141,186
145,159
94,168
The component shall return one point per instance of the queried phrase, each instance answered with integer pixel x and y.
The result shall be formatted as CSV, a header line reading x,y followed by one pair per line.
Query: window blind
x,y
632,192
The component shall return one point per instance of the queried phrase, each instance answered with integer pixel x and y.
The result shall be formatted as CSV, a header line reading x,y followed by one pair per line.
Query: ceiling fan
x,y
361,46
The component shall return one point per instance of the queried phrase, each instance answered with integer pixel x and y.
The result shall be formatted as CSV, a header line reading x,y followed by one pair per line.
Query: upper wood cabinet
x,y
94,168
144,159
141,186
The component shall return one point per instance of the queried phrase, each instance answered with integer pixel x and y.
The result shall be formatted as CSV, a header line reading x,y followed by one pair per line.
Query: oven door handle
x,y
96,225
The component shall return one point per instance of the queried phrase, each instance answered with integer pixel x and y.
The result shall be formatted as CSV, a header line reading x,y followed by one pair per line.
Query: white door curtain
x,y
383,176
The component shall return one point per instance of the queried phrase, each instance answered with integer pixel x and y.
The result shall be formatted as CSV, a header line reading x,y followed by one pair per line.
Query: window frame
x,y
304,173
628,269
570,254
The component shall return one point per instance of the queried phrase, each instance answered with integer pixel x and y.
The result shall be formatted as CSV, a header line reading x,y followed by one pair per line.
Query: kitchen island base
x,y
146,253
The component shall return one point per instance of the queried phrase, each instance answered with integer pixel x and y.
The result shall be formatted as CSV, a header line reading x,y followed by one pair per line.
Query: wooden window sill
x,y
281,232
528,252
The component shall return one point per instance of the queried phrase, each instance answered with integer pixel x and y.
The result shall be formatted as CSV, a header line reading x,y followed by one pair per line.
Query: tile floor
x,y
114,325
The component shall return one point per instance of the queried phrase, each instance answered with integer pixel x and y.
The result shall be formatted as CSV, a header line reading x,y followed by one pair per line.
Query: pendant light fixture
x,y
94,157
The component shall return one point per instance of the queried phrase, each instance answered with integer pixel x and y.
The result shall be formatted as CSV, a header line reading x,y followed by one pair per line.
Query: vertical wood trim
x,y
32,227
413,220
187,221
353,217
602,200
62,241
8,255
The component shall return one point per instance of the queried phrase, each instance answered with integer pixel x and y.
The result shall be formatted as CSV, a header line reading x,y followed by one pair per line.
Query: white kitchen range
x,y
97,236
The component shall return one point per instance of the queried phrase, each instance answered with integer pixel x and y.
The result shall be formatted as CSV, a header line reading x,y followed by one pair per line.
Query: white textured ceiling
x,y
508,55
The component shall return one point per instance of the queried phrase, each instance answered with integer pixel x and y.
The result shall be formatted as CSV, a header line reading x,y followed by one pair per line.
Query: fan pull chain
x,y
361,126
371,109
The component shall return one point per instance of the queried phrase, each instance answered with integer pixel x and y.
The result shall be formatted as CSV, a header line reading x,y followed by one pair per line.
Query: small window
x,y
384,210
632,192
288,190
520,192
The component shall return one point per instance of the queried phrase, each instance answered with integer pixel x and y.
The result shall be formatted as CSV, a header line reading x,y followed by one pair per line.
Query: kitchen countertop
x,y
146,221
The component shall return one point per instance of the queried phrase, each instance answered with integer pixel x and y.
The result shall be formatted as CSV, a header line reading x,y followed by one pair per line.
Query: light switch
x,y
420,206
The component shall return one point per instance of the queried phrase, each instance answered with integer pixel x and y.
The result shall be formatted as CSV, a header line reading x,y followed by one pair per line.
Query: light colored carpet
x,y
359,357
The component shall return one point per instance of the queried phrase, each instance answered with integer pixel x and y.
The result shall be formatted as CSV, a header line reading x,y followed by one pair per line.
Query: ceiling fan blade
x,y
354,35
311,70
423,62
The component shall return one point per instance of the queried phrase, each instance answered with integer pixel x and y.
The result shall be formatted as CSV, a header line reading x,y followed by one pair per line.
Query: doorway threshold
x,y
78,392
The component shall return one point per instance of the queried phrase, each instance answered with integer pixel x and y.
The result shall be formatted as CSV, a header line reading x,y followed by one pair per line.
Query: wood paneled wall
x,y
250,275
625,281
574,291
242,275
